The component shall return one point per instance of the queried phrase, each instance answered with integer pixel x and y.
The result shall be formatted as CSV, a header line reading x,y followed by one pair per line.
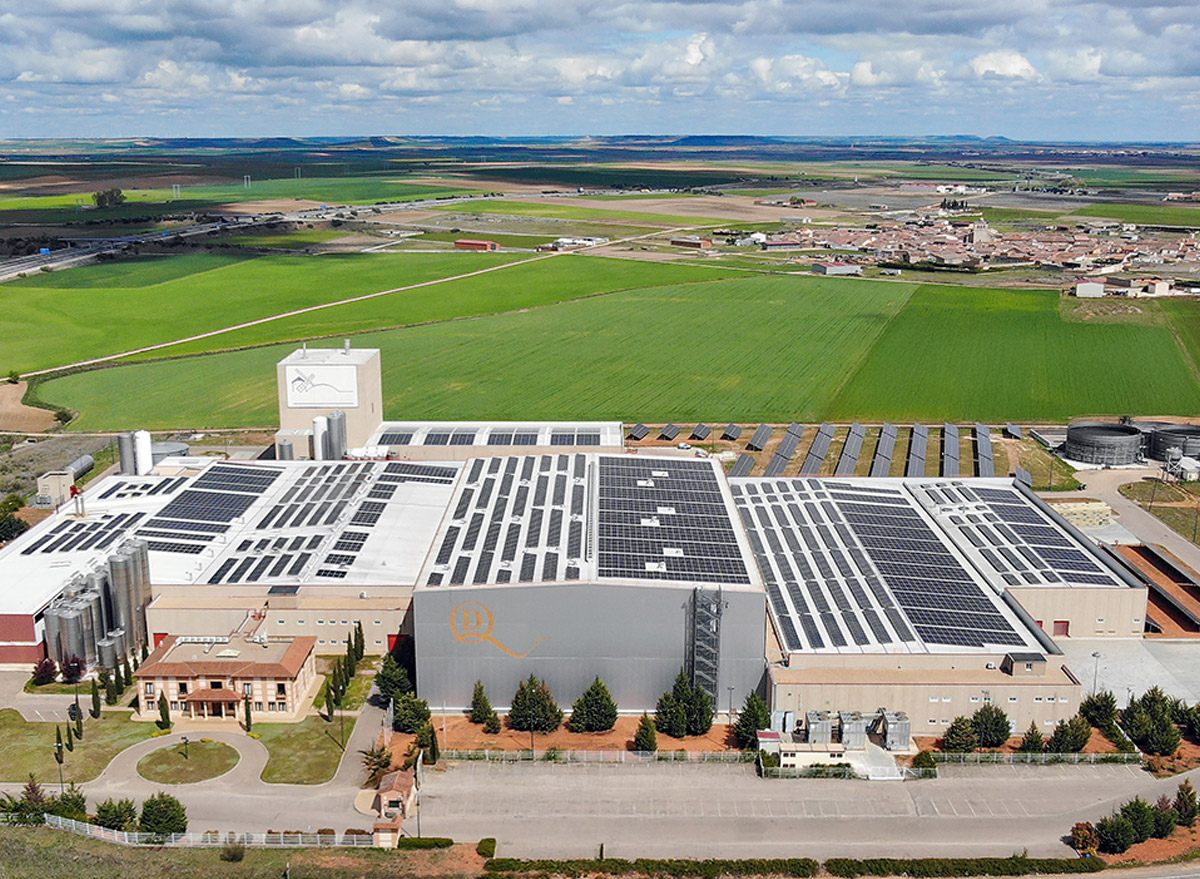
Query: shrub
x,y
45,672
1033,743
676,869
392,680
73,669
960,736
1165,818
755,716
645,739
991,726
1070,736
1099,709
670,717
117,815
1140,815
534,708
1115,835
486,847
424,842
1084,838
594,711
924,760
233,851
1014,865
163,814
491,726
1186,805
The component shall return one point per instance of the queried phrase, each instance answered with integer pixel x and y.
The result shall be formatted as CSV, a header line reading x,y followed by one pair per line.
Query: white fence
x,y
636,757
1042,758
212,838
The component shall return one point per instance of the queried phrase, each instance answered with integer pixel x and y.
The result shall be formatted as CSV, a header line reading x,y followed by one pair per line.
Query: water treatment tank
x,y
1185,437
285,451
337,435
120,575
165,449
1092,442
71,620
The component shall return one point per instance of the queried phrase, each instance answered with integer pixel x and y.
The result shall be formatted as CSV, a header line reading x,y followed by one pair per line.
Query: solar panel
x,y
639,432
1012,431
670,432
1024,476
393,438
207,506
758,442
881,465
743,465
732,432
951,446
916,451
851,451
701,432
818,450
985,465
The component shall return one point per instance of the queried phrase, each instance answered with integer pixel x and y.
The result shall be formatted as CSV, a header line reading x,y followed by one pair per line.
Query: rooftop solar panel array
x,y
881,465
818,450
851,451
984,464
849,566
951,447
758,442
917,448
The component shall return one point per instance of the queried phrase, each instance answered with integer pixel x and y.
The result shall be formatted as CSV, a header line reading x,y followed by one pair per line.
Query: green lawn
x,y
199,761
29,747
307,752
572,212
55,319
1146,214
977,354
52,854
357,692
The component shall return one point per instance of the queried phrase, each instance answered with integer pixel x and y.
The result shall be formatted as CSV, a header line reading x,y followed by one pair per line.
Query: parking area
x,y
712,811
1132,666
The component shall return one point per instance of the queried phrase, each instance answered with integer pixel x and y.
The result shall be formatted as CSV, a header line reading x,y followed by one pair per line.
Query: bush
x,y
73,669
233,851
486,847
491,726
392,680
670,717
991,726
1099,709
1083,837
1070,736
594,711
684,710
1115,835
424,842
924,760
1186,805
1033,743
1015,865
1165,818
534,708
645,739
117,815
163,814
675,868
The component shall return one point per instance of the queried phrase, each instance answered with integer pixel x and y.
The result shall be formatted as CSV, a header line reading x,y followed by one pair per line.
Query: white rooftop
x,y
319,356
500,434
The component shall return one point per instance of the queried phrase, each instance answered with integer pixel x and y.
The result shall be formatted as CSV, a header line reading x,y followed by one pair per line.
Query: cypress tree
x,y
95,700
79,726
58,744
1034,742
248,721
70,742
164,712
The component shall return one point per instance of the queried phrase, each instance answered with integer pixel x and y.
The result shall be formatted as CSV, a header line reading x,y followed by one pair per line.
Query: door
x,y
1062,628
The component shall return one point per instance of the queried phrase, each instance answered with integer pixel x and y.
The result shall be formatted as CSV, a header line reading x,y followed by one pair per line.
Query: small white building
x,y
1089,288
837,268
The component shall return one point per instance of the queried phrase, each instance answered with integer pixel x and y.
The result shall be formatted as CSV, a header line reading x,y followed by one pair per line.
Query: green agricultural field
x,y
1144,214
960,353
297,239
754,347
54,319
1184,318
503,239
572,212
539,281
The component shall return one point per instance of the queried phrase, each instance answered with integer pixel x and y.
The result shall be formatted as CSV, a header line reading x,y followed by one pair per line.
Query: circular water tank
x,y
1185,437
1092,442
167,449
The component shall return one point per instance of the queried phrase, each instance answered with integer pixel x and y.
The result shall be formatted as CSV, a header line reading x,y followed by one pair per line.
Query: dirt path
x,y
16,416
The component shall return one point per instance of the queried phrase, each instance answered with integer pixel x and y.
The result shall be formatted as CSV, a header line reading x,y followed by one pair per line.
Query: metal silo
x,y
71,619
96,627
81,465
53,633
98,582
128,452
143,452
88,633
320,438
1185,437
120,574
285,451
106,648
337,435
119,645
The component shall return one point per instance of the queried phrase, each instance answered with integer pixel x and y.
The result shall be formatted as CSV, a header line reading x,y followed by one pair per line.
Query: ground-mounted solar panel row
x,y
758,442
984,463
818,450
851,451
884,450
743,465
950,450
701,432
1013,432
917,448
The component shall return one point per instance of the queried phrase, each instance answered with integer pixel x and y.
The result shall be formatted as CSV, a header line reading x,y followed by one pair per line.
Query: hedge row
x,y
707,869
486,847
418,842
929,867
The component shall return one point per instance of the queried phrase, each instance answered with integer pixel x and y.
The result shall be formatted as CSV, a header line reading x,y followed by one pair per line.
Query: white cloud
x,y
1003,63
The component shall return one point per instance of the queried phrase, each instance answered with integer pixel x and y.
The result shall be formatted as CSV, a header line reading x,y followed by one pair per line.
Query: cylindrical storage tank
x,y
128,452
88,641
337,435
143,452
71,619
81,465
74,587
106,649
92,601
320,438
119,646
120,575
53,633
139,553
1148,429
1185,437
1092,442
161,450
284,451
98,583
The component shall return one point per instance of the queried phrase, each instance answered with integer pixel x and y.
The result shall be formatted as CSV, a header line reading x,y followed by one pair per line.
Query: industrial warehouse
x,y
548,549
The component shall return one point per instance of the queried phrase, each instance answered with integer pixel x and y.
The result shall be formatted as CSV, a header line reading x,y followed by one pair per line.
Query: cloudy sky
x,y
1037,69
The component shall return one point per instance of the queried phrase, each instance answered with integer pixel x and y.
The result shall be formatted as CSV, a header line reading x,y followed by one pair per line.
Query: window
x,y
1037,698
1047,721
270,706
183,688
149,688
174,706
247,689
1029,666
320,622
344,623
987,698
378,623
1100,619
281,622
217,685
320,640
945,698
377,641
1012,698
974,698
258,706
300,622
1063,699
932,721
281,689
933,698
283,706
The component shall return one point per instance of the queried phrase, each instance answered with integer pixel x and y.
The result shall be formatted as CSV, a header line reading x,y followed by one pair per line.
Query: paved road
x,y
726,811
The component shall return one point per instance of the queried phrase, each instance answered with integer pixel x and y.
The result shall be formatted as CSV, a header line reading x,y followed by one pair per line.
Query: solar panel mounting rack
x,y
639,432
758,442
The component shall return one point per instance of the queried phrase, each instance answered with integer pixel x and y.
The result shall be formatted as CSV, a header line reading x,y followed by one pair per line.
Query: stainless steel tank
x,y
53,633
128,454
107,650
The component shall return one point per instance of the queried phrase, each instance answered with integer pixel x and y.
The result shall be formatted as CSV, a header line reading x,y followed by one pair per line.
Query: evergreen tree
x,y
1070,736
392,679
1115,835
119,815
1165,817
329,700
1164,739
645,739
534,708
95,700
991,726
33,794
70,742
145,652
163,814
58,744
360,641
126,676
481,706
960,736
110,692
491,726
410,713
72,803
594,711
164,712
699,710
755,716
1100,709
670,716
249,722
1186,805
79,726
1140,815
351,660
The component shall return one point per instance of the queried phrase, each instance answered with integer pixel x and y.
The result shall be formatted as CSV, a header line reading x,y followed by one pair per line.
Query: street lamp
x,y
185,747
1095,669
58,758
